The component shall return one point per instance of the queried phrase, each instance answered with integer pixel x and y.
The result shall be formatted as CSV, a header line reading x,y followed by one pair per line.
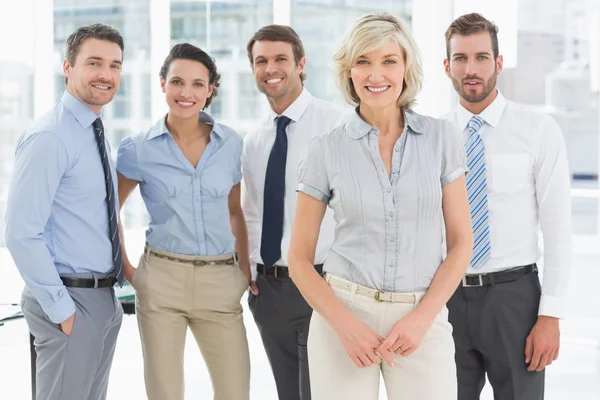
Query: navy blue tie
x,y
112,210
274,195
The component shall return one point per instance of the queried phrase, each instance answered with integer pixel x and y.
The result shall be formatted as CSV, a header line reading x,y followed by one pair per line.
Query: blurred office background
x,y
552,54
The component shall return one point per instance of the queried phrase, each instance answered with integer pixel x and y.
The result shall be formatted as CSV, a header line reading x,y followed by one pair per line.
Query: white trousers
x,y
429,373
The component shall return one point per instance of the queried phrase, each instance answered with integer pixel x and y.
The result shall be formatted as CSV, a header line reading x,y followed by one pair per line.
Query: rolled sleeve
x,y
237,174
312,173
454,158
127,160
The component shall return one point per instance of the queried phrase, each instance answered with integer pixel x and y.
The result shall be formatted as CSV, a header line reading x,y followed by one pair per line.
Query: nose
x,y
105,73
271,68
375,74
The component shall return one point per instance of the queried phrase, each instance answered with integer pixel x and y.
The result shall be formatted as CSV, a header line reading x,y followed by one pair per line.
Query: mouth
x,y
101,86
472,84
273,81
185,104
378,89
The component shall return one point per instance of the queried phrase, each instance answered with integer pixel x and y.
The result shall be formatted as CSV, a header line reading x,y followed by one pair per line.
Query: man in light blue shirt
x,y
61,225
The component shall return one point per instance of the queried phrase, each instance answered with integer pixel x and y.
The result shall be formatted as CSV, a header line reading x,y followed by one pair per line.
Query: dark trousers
x,y
491,325
283,316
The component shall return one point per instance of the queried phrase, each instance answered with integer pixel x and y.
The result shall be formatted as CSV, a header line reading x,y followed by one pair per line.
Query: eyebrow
x,y
194,80
275,56
481,53
386,56
102,59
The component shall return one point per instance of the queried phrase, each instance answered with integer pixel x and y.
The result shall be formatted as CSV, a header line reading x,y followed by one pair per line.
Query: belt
x,y
378,295
88,283
281,272
492,278
196,263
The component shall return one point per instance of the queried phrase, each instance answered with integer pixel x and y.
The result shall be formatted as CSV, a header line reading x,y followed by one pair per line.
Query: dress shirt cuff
x,y
61,310
253,270
311,191
552,306
451,177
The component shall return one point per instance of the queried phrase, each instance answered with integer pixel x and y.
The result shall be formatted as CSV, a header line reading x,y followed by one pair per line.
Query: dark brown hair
x,y
278,33
470,24
186,51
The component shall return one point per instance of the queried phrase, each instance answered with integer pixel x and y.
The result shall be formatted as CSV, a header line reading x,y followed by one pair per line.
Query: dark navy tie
x,y
274,195
110,194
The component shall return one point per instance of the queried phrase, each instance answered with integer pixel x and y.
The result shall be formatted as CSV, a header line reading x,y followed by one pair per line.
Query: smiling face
x,y
378,76
186,88
96,73
276,72
472,67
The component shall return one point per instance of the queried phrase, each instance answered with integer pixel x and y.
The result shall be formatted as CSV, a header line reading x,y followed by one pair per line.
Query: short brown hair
x,y
278,33
470,24
94,31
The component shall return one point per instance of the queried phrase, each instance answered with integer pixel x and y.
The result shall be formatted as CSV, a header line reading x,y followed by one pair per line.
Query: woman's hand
x,y
359,341
406,335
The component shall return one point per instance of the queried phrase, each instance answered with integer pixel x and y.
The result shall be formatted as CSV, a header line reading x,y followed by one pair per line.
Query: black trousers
x,y
283,316
490,327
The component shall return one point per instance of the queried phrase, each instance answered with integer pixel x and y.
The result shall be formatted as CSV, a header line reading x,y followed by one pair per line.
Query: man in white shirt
x,y
270,164
504,323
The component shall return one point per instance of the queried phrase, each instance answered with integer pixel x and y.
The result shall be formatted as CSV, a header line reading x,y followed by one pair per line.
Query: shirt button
x,y
392,239
197,200
397,149
200,222
389,190
391,214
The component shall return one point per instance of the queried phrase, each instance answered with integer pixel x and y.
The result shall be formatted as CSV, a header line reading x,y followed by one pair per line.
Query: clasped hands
x,y
366,348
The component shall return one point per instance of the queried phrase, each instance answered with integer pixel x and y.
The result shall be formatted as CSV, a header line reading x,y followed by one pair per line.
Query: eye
x,y
117,67
483,57
389,62
362,62
175,81
459,58
198,84
259,62
93,63
281,59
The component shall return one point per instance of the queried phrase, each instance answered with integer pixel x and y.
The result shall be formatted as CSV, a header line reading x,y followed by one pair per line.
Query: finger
x,y
374,357
365,360
389,342
535,359
555,356
408,351
528,349
254,288
543,361
388,357
358,362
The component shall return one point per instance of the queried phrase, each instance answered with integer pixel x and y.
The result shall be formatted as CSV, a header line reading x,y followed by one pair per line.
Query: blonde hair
x,y
369,33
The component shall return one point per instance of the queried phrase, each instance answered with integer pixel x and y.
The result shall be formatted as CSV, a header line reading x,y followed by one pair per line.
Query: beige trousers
x,y
427,374
172,296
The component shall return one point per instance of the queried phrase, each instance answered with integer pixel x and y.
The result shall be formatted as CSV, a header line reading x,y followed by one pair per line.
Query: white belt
x,y
378,295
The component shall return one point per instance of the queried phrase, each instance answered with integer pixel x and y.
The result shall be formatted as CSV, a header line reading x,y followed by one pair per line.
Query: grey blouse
x,y
389,230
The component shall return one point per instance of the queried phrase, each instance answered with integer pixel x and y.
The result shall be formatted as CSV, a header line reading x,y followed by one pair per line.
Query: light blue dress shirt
x,y
188,207
56,217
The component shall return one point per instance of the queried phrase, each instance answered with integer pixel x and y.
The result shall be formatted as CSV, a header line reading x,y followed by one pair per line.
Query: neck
x,y
279,105
388,120
185,129
477,108
97,109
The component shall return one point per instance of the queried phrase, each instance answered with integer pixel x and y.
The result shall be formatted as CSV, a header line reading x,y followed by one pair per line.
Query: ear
x,y
447,68
211,88
67,69
301,64
163,85
499,64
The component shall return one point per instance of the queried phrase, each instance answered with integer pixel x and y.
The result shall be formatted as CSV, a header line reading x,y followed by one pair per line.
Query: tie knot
x,y
97,124
282,122
475,123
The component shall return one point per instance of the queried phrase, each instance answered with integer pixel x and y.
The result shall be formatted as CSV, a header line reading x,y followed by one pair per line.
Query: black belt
x,y
492,278
88,283
281,272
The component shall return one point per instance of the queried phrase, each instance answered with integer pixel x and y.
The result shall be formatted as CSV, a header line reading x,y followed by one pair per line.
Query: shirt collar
x,y
357,127
80,111
490,115
160,127
294,110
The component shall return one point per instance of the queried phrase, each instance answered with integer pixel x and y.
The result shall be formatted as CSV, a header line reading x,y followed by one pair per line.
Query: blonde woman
x,y
393,178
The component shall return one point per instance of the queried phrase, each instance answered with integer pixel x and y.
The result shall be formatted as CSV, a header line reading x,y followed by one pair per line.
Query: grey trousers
x,y
490,326
75,367
283,316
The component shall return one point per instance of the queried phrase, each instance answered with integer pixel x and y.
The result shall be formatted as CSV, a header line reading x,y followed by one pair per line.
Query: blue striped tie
x,y
477,190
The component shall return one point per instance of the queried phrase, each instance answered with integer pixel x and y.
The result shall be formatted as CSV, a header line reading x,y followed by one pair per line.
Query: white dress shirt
x,y
310,117
528,183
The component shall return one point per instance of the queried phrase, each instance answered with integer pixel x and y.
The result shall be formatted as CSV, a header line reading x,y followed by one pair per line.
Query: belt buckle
x,y
275,274
479,284
378,296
